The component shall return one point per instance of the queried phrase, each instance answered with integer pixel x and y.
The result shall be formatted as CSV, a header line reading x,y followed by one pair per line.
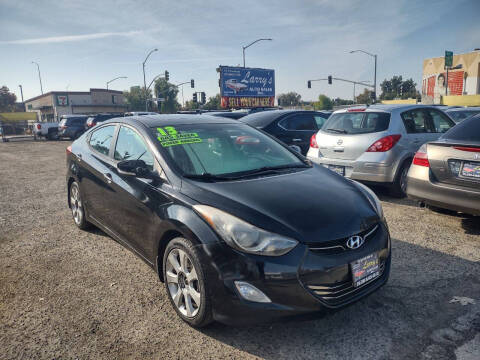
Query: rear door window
x,y
299,122
441,122
101,139
416,122
319,120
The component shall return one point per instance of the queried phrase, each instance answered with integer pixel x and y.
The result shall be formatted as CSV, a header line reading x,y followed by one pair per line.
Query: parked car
x,y
48,130
140,113
293,127
229,217
72,126
446,173
98,118
460,114
376,144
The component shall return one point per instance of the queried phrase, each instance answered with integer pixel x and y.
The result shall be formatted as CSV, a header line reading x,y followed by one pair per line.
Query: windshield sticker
x,y
169,136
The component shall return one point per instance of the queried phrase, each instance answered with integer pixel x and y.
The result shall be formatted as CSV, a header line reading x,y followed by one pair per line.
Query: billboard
x,y
247,87
464,81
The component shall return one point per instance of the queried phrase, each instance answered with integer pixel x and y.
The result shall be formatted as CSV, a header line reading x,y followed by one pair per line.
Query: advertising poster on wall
x,y
463,81
246,87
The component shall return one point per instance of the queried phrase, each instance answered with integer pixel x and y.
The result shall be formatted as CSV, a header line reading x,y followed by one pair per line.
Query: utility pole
x,y
21,91
144,80
39,76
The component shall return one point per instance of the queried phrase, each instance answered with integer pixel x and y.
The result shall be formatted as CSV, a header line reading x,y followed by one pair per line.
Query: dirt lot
x,y
67,294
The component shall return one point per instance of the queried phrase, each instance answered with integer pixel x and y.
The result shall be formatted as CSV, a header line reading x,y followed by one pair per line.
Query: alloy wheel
x,y
76,204
182,281
403,179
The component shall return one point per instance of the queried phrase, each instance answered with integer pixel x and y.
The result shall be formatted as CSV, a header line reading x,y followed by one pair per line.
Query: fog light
x,y
251,293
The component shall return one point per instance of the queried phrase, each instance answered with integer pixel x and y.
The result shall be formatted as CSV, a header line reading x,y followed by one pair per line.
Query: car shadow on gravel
x,y
395,322
471,225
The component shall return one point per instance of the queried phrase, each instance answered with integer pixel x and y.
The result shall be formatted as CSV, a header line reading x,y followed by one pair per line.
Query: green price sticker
x,y
169,136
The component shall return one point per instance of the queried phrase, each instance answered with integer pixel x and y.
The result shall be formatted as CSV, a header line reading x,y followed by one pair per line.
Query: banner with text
x,y
239,87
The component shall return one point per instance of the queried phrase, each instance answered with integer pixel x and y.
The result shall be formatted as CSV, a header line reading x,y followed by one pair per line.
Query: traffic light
x,y
330,79
192,83
195,97
167,75
373,95
309,84
204,98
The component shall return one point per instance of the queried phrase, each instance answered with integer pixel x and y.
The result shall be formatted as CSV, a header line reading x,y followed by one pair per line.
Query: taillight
x,y
69,149
39,126
384,144
421,157
313,141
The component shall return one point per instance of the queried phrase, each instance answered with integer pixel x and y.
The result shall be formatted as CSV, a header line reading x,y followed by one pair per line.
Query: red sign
x,y
247,102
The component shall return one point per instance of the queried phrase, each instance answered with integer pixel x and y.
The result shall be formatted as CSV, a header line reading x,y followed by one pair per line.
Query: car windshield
x,y
222,149
458,116
357,122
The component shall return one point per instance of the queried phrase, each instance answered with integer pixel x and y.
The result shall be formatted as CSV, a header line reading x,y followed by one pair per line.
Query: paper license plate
x,y
471,170
365,269
338,169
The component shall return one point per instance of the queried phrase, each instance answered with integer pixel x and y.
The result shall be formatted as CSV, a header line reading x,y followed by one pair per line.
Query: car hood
x,y
312,205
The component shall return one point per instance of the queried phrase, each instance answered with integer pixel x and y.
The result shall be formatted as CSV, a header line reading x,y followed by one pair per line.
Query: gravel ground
x,y
70,294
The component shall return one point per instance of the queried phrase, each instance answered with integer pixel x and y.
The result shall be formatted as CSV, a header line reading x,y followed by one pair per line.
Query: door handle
x,y
108,177
297,140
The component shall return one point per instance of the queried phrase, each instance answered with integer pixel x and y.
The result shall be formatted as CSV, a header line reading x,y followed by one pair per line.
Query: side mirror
x,y
133,168
296,148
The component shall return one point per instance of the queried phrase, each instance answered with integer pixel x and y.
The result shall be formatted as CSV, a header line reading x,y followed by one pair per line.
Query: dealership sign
x,y
247,87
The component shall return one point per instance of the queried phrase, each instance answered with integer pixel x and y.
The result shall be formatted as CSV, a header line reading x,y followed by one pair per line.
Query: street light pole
x,y
144,80
39,76
120,77
375,73
245,47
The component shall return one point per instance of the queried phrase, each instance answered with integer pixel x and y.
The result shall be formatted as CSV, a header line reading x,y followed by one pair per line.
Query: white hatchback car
x,y
376,144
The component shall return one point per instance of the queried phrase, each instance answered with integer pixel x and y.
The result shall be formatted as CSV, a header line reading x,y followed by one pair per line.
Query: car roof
x,y
173,119
468,108
384,107
264,118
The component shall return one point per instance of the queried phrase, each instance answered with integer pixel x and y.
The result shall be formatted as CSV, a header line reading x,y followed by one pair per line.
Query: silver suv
x,y
377,143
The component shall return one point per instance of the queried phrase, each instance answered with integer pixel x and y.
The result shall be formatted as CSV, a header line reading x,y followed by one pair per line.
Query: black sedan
x,y
293,127
238,226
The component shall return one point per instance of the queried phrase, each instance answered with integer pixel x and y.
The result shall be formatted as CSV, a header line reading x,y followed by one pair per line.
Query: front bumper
x,y
303,281
420,187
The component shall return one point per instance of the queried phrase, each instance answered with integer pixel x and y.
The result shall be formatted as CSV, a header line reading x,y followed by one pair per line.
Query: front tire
x,y
76,205
185,283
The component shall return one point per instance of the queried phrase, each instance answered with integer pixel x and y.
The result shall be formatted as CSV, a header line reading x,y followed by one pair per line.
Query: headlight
x,y
371,197
244,236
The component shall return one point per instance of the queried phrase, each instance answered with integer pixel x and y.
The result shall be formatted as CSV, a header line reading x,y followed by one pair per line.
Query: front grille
x,y
339,293
338,246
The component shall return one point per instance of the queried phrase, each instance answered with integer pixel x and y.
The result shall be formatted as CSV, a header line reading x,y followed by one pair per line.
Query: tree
x,y
136,98
339,102
7,100
213,103
169,92
365,97
289,99
323,103
190,105
397,88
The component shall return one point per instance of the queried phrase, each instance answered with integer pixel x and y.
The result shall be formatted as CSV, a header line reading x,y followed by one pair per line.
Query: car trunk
x,y
348,135
345,146
455,164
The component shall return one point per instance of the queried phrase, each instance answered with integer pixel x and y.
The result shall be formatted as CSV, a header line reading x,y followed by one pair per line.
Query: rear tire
x,y
185,283
77,207
399,186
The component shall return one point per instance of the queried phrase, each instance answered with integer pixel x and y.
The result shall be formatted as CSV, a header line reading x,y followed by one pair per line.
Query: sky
x,y
83,44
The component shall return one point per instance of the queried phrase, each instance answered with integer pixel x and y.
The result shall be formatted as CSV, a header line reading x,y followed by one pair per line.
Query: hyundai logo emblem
x,y
339,142
354,242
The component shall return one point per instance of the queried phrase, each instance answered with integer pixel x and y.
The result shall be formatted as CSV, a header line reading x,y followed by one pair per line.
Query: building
x,y
463,81
52,105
